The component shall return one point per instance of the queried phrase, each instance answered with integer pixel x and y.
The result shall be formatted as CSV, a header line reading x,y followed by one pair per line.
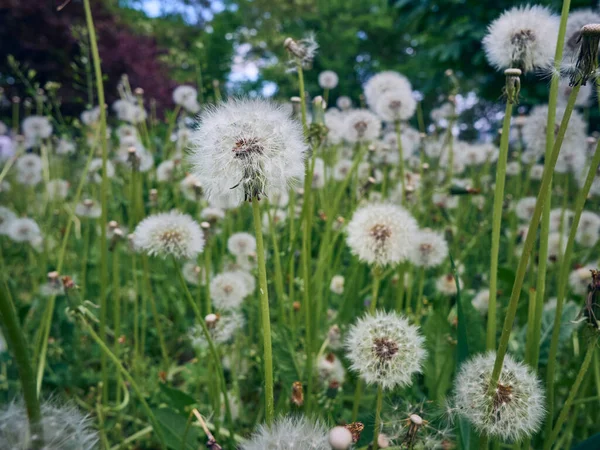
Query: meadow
x,y
290,274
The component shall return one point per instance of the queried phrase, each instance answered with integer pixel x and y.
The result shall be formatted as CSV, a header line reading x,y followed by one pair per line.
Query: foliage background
x,y
227,40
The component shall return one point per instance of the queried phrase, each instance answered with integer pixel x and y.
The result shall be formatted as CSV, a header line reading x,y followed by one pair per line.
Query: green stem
x,y
265,316
155,315
104,190
400,288
401,156
529,241
572,393
375,291
128,377
377,417
564,277
496,226
16,340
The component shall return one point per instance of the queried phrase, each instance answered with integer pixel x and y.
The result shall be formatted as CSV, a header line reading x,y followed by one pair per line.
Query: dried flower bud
x,y
587,59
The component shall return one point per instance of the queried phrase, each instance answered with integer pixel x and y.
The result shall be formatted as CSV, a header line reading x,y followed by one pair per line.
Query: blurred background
x,y
162,43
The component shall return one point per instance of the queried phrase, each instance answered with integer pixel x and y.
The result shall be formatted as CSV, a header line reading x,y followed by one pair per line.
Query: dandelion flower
x,y
95,170
383,83
23,230
303,50
576,20
29,163
186,96
88,208
396,105
222,329
337,284
65,147
385,349
344,103
361,125
381,234
580,279
6,217
446,285
342,169
193,274
429,249
241,244
328,79
588,230
481,301
36,128
166,170
534,130
523,38
513,412
228,290
525,207
64,427
331,370
212,214
246,148
289,433
169,234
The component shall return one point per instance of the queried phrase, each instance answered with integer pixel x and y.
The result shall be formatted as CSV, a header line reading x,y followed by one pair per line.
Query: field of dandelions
x,y
260,275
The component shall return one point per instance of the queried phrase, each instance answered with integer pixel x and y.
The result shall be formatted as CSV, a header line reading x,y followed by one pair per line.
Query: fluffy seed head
x,y
328,79
395,105
340,438
514,411
169,234
242,244
6,217
383,83
385,349
23,230
289,433
580,279
361,125
64,427
429,249
381,234
246,148
228,290
522,37
222,329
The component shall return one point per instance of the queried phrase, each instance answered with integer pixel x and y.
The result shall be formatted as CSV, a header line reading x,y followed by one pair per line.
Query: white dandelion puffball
x,y
184,94
534,130
29,163
222,329
381,234
525,207
6,217
241,244
95,170
328,79
361,125
481,301
64,427
90,209
523,38
516,409
169,234
560,219
385,349
342,169
90,116
446,285
536,172
212,214
289,433
228,290
429,249
588,230
344,103
246,148
395,105
166,170
65,147
383,83
580,279
331,370
36,128
23,230
337,284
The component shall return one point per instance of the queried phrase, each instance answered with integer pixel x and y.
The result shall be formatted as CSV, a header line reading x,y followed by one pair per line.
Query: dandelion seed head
x,y
169,234
328,79
384,83
23,230
246,148
580,279
429,249
525,207
228,290
481,301
361,125
241,244
381,234
385,349
522,37
514,411
222,329
88,208
337,284
446,284
36,128
289,433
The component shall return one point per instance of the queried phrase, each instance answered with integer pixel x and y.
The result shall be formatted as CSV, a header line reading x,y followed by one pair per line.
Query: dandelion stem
x,y
496,226
529,242
17,342
564,276
127,376
104,188
572,393
400,156
377,417
211,345
265,315
375,290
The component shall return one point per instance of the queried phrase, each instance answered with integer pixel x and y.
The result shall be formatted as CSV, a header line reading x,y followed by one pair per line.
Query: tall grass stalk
x,y
529,242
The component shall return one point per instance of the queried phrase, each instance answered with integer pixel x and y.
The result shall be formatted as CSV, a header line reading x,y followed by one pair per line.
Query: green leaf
x,y
176,398
438,371
173,427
